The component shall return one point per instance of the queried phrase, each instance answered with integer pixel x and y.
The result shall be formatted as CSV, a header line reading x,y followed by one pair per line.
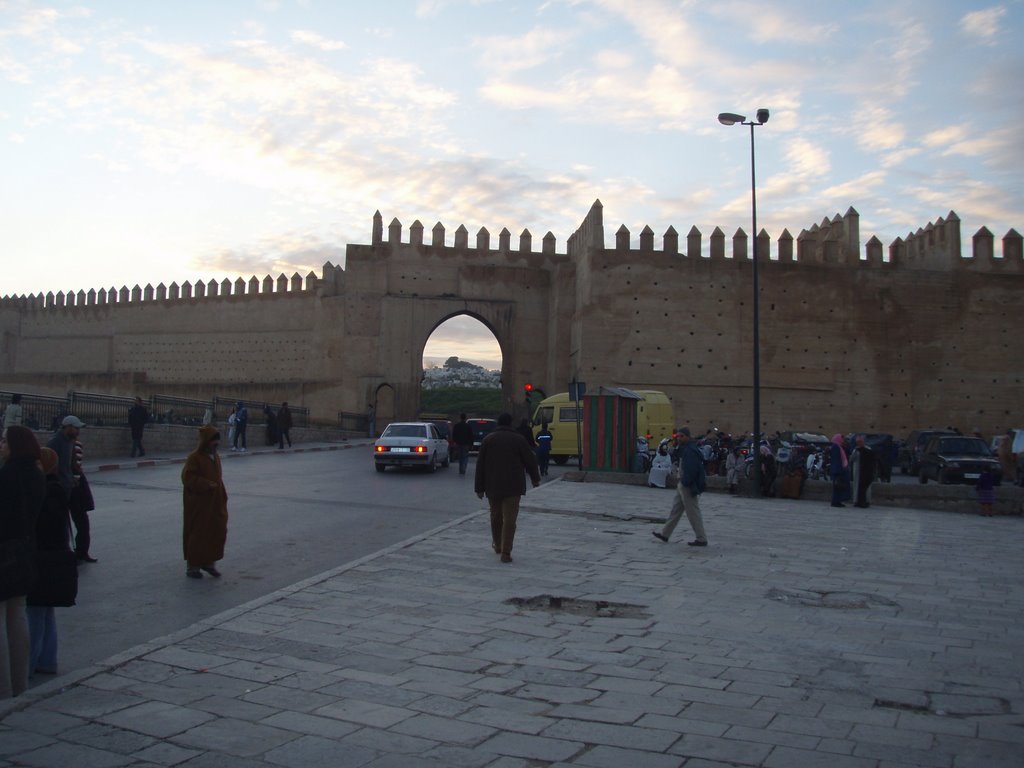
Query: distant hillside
x,y
482,403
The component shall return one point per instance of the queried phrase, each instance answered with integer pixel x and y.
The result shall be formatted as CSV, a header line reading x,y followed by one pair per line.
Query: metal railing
x,y
39,412
353,422
45,413
165,409
100,410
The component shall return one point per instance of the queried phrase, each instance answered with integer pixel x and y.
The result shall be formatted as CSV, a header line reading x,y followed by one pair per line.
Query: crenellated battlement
x,y
834,241
438,233
331,277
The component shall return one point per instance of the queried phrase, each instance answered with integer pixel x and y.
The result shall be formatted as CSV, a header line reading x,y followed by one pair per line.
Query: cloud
x,y
875,129
807,159
765,23
983,25
285,253
864,187
999,147
508,54
314,40
665,27
945,136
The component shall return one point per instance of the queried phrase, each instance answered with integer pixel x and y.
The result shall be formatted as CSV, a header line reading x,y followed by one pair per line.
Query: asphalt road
x,y
292,516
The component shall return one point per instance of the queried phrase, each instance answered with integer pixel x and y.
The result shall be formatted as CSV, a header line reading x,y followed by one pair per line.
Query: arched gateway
x,y
849,340
400,292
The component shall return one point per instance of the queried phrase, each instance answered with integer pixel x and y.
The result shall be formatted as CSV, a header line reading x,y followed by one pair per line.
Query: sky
x,y
148,142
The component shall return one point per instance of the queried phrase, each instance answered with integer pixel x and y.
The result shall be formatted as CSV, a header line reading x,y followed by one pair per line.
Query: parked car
x,y
481,429
957,459
410,444
909,458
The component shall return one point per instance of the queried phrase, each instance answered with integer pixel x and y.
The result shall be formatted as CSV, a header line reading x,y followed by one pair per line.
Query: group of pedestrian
x,y
38,566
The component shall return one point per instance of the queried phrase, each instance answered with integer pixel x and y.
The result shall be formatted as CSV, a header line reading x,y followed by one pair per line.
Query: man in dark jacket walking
x,y
137,418
284,425
504,459
462,435
692,482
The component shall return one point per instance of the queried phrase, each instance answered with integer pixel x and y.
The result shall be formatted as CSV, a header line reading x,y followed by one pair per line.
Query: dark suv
x,y
909,458
957,459
481,429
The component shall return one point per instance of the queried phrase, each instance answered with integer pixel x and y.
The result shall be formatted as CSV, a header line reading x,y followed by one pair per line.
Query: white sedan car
x,y
410,444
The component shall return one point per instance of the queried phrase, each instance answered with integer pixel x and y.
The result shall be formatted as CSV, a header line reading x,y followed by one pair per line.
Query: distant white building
x,y
471,378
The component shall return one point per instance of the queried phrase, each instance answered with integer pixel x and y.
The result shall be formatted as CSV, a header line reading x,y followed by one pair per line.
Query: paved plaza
x,y
802,636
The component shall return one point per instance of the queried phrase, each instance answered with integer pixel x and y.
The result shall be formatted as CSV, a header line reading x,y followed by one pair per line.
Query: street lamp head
x,y
762,116
731,118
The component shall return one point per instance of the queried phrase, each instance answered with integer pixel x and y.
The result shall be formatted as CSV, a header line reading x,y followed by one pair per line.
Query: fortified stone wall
x,y
847,343
224,340
848,340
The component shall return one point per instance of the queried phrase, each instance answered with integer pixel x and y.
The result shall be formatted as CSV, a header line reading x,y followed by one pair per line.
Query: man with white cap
x,y
69,471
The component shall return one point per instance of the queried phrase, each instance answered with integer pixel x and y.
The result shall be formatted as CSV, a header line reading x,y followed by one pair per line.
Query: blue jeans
x,y
463,458
42,630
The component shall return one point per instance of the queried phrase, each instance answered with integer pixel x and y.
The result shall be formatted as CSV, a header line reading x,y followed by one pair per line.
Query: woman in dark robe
x,y
205,501
22,488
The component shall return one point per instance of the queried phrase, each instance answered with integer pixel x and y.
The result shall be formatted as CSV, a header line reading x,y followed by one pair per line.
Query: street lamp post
x,y
730,118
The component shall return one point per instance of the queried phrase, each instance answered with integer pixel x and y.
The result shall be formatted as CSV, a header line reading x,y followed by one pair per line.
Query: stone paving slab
x,y
802,636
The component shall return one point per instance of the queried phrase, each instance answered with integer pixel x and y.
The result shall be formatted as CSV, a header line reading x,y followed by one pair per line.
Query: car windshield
x,y
405,430
963,446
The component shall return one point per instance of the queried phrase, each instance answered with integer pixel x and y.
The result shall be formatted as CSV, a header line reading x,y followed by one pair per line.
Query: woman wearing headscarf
x,y
661,466
56,567
733,465
839,471
22,489
205,502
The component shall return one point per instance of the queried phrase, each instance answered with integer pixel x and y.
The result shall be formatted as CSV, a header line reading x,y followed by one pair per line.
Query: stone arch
x,y
474,316
502,333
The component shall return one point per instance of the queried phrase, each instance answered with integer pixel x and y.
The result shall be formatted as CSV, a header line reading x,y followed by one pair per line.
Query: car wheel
x,y
433,463
447,461
379,467
922,478
560,460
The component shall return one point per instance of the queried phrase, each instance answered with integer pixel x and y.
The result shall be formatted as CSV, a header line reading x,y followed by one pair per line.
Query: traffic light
x,y
527,391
